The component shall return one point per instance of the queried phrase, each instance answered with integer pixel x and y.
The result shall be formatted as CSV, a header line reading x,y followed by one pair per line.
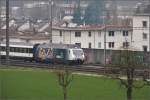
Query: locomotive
x,y
58,53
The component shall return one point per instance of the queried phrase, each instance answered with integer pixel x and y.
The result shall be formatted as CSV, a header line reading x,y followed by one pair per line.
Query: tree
x,y
65,77
77,14
129,61
94,12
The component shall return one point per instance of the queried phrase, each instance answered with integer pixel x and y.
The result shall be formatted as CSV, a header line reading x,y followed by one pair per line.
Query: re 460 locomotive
x,y
58,53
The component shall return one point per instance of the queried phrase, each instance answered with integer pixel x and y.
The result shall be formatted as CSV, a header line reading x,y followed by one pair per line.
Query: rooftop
x,y
143,10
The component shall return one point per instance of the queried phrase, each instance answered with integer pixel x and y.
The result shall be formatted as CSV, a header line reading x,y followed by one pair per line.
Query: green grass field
x,y
16,84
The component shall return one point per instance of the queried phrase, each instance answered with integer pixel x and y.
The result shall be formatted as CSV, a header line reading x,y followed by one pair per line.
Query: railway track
x,y
80,68
20,63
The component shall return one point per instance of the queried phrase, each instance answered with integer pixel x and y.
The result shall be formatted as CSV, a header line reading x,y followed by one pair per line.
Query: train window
x,y
2,48
12,49
30,50
27,50
60,53
18,49
15,49
22,50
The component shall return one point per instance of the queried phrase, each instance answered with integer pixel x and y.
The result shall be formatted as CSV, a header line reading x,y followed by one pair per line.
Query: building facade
x,y
141,29
141,32
94,37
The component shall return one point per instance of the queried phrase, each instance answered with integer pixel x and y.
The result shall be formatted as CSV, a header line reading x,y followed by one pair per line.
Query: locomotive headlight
x,y
83,55
73,56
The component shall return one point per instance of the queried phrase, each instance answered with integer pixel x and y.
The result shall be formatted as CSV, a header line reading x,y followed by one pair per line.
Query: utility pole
x,y
105,44
7,32
0,31
149,39
51,18
104,23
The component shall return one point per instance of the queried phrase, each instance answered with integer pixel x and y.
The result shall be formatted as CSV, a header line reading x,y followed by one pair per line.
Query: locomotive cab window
x,y
59,53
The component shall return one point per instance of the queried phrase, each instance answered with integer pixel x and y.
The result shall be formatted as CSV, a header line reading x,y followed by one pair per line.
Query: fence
x,y
96,56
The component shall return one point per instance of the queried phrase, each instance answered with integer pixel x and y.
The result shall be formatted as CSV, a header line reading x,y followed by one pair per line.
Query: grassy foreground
x,y
16,84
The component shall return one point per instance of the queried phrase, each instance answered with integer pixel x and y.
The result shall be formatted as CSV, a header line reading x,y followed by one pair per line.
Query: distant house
x,y
22,32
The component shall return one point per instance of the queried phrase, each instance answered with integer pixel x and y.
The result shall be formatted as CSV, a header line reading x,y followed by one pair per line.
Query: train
x,y
44,53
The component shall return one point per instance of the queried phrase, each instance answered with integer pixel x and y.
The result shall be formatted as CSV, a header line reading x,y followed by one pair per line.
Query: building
x,y
141,29
94,37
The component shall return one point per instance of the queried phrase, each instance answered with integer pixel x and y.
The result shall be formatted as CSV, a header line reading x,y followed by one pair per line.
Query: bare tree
x,y
129,63
65,77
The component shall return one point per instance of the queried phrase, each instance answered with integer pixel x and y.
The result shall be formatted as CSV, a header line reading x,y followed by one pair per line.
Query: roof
x,y
94,28
18,44
58,45
143,10
26,36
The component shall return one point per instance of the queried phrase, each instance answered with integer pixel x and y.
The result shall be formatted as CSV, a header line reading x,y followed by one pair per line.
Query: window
x,y
111,33
12,49
25,50
3,48
145,48
125,33
89,33
27,40
144,36
111,44
90,45
99,45
21,50
125,44
78,44
144,23
60,33
78,34
30,50
16,49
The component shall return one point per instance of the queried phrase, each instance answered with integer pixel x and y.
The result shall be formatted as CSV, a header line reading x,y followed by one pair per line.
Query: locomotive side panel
x,y
44,55
57,53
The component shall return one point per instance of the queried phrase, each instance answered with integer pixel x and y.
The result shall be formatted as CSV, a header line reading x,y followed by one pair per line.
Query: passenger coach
x,y
18,51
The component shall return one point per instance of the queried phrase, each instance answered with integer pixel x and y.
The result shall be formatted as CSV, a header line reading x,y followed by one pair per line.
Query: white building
x,y
141,31
93,37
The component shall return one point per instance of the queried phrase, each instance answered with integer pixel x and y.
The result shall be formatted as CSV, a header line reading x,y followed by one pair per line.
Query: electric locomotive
x,y
58,53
